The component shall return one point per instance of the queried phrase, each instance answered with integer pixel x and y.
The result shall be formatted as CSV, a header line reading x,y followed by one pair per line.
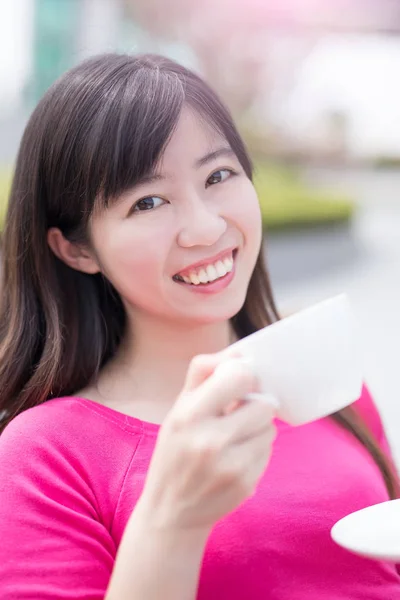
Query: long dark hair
x,y
99,128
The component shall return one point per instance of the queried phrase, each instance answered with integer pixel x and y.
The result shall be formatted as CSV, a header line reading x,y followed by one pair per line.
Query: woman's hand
x,y
212,449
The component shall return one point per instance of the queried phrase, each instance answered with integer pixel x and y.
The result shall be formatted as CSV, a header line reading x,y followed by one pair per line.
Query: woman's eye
x,y
219,176
148,203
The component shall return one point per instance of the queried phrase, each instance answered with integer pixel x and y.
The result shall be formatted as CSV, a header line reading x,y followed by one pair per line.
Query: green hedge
x,y
386,162
285,200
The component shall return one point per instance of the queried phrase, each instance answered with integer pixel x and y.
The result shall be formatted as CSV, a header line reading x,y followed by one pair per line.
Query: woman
x,y
132,259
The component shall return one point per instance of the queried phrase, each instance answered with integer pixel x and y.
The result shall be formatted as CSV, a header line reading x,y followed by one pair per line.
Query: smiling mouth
x,y
208,273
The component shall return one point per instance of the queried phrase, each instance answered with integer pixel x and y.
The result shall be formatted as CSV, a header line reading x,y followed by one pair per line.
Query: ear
x,y
76,256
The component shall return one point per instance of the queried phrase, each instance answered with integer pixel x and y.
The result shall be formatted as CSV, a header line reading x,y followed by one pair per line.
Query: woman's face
x,y
182,245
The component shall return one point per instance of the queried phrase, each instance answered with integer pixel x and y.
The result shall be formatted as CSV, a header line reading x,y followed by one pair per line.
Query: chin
x,y
211,315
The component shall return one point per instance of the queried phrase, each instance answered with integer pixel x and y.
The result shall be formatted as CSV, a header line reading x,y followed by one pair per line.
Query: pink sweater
x,y
71,472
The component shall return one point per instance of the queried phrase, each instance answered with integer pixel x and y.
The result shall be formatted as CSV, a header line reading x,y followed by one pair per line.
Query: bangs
x,y
130,132
105,125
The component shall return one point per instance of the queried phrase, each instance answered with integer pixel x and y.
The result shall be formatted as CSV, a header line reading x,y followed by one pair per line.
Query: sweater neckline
x,y
119,416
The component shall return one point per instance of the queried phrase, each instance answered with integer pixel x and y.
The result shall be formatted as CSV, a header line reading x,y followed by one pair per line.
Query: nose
x,y
201,226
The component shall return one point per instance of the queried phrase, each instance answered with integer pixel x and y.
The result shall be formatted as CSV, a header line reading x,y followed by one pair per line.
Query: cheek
x,y
132,257
246,213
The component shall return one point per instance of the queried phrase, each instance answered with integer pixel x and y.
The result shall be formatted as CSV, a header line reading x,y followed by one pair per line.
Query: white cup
x,y
308,361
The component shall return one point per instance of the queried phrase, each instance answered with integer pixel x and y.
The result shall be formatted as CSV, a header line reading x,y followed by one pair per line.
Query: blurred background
x,y
314,87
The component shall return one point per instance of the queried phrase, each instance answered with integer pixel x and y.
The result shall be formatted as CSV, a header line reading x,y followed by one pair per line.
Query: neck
x,y
153,359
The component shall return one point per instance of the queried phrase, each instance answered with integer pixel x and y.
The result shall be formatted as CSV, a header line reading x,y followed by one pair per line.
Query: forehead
x,y
193,137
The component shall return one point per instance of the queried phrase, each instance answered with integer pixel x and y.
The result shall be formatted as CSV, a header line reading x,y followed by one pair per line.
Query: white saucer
x,y
373,532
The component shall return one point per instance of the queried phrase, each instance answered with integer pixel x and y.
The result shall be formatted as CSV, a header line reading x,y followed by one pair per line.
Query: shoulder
x,y
67,448
52,421
58,493
70,416
48,417
68,430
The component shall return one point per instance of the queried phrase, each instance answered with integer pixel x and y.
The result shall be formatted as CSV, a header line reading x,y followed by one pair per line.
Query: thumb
x,y
203,366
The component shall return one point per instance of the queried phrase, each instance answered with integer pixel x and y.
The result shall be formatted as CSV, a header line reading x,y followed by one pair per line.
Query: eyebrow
x,y
211,156
201,162
150,178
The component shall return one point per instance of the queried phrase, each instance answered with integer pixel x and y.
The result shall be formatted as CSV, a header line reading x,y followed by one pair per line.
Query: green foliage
x,y
286,202
5,184
387,162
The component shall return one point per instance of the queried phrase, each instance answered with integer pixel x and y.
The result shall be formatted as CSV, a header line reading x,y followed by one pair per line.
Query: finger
x,y
257,468
231,381
264,398
254,449
254,396
204,365
250,459
249,420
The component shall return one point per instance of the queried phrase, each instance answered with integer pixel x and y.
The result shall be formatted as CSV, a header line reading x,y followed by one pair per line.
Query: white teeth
x,y
211,273
220,268
202,275
228,262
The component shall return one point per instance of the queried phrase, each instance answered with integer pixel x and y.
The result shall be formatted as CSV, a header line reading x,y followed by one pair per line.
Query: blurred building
x,y
331,88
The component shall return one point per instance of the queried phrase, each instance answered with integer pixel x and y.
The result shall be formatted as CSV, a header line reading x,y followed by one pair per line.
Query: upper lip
x,y
207,261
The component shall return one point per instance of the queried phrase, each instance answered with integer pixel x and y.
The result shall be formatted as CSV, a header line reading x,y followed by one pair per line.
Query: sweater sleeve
x,y
53,543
